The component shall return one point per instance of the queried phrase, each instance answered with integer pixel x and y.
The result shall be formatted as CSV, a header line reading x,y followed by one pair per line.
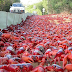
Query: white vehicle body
x,y
17,8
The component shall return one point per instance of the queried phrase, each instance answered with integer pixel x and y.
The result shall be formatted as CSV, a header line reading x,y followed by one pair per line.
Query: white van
x,y
17,8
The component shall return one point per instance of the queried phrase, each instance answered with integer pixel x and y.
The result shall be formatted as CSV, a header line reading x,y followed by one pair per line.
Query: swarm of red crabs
x,y
45,40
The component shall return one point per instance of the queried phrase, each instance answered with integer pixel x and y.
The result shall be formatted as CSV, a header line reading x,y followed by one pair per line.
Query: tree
x,y
57,6
16,0
39,6
5,4
45,5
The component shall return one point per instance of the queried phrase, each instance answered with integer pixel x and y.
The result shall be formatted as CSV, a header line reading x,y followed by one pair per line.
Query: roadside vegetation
x,y
51,6
5,4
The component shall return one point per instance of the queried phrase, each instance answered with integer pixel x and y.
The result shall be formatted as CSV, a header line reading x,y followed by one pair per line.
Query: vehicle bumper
x,y
19,12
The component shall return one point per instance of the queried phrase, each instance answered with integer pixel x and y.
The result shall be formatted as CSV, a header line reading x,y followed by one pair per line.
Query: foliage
x,y
52,6
16,0
45,5
39,6
5,4
31,9
38,9
57,6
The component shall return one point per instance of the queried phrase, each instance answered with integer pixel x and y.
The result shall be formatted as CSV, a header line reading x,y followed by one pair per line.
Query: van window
x,y
17,5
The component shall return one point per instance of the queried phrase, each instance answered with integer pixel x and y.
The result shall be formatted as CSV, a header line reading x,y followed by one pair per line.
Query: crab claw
x,y
27,59
68,67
